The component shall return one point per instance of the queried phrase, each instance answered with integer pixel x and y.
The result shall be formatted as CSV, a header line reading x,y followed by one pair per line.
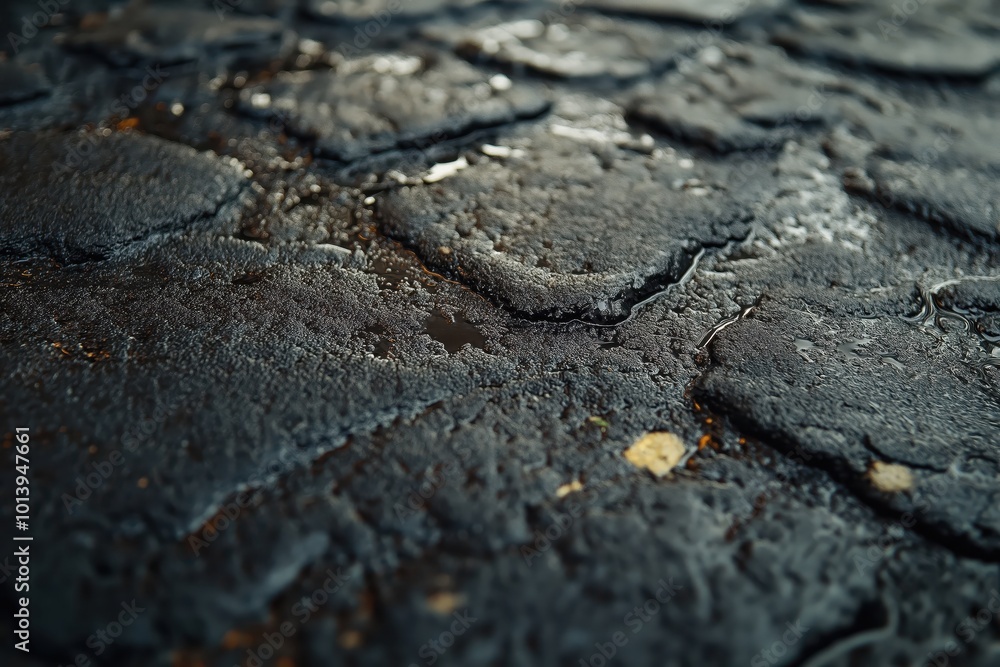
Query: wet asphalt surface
x,y
333,322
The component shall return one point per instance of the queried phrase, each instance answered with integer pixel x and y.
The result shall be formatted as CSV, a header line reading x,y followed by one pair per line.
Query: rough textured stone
x,y
380,11
139,35
375,104
573,46
871,389
960,198
81,204
933,37
739,98
580,219
689,10
399,384
20,84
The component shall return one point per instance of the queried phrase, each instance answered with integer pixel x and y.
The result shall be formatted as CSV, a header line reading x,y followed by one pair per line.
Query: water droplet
x,y
893,361
454,333
851,348
802,346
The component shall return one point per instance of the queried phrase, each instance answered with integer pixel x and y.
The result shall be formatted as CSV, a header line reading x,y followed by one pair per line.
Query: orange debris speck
x,y
350,639
236,639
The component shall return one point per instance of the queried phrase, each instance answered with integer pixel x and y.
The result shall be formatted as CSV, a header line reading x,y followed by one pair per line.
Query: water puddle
x,y
454,333
802,346
892,361
851,348
395,274
732,319
935,313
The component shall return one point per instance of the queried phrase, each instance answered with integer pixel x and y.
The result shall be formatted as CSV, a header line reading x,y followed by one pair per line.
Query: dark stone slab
x,y
933,161
399,384
935,37
169,475
19,83
960,199
379,103
741,98
580,219
575,46
724,11
380,12
98,192
843,390
142,35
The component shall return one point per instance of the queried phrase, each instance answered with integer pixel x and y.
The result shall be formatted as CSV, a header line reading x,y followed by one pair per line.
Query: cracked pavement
x,y
333,322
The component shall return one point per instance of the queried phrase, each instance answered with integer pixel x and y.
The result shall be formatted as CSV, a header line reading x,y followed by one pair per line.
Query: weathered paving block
x,y
962,199
141,34
576,218
409,393
841,392
380,12
132,323
574,46
933,161
722,11
19,83
372,105
952,38
735,97
79,196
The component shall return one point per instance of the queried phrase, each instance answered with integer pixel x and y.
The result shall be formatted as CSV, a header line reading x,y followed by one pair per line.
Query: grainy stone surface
x,y
20,84
950,38
336,333
575,46
74,196
381,11
577,218
739,98
356,110
138,34
697,11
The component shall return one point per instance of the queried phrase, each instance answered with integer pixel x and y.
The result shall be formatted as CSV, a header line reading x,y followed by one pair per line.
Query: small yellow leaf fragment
x,y
598,421
445,602
890,477
567,489
350,639
659,452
